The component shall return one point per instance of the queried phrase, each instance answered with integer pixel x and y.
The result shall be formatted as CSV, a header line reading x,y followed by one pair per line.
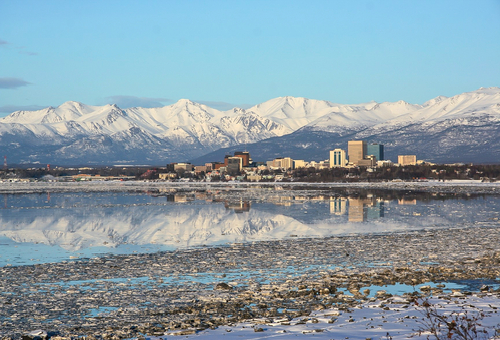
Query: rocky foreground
x,y
187,291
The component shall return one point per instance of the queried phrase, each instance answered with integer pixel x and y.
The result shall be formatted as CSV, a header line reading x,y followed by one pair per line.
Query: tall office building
x,y
244,155
337,158
234,165
356,150
376,150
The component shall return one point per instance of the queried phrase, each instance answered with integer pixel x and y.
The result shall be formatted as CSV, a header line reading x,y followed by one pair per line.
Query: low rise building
x,y
384,163
318,165
254,177
183,167
217,166
323,164
368,161
281,163
200,168
404,160
299,163
262,167
167,175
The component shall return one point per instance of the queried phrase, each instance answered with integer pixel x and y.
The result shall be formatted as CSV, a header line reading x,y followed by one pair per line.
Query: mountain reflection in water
x,y
160,220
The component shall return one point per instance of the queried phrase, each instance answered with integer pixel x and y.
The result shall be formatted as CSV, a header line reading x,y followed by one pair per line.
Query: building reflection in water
x,y
407,201
179,198
362,209
358,209
238,206
338,206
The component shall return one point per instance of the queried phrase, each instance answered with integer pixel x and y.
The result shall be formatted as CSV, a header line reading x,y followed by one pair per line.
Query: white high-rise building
x,y
337,158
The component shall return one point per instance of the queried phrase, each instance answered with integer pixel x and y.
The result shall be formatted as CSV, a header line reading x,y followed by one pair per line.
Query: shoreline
x,y
202,288
466,186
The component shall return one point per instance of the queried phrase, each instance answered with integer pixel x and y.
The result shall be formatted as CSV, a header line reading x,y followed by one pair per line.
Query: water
x,y
464,285
77,229
53,227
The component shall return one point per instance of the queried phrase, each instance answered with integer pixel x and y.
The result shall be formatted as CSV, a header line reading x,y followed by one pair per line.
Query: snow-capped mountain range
x,y
442,129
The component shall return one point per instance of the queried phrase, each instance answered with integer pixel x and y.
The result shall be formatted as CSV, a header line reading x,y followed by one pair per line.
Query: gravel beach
x,y
151,294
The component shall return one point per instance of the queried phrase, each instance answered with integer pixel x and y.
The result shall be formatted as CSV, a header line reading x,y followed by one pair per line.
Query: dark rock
x,y
223,286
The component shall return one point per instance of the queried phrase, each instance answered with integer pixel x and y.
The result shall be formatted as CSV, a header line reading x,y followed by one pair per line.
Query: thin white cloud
x,y
12,83
125,102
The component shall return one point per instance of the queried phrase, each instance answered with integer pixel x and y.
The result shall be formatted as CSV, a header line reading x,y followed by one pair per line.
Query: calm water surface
x,y
52,227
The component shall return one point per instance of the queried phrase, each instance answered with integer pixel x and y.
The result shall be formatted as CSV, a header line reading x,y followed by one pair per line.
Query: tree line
x,y
405,173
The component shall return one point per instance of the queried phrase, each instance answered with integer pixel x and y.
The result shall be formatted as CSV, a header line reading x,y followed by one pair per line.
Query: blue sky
x,y
241,53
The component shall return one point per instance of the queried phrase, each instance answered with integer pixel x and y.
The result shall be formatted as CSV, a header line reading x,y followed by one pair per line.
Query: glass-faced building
x,y
376,150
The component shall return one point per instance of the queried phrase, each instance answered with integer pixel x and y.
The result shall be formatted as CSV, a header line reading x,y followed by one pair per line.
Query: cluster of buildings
x,y
359,153
232,165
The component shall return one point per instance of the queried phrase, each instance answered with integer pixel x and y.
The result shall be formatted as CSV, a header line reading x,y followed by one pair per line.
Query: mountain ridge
x,y
186,130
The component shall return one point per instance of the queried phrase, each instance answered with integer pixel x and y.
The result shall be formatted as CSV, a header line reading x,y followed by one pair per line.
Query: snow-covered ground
x,y
394,318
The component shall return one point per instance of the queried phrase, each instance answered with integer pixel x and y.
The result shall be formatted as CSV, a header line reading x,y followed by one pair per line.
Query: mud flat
x,y
184,292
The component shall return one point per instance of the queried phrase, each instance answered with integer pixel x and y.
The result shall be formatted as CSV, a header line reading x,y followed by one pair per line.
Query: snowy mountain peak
x,y
488,90
295,100
186,129
71,104
434,101
184,102
490,94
